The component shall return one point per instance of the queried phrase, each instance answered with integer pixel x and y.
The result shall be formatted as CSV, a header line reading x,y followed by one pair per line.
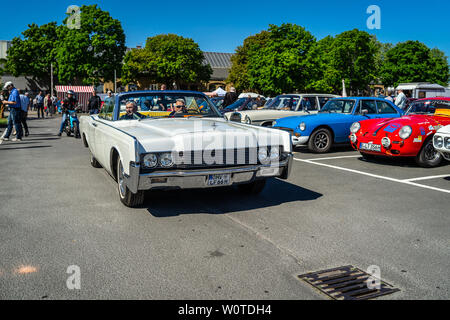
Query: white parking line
x,y
334,158
375,176
428,178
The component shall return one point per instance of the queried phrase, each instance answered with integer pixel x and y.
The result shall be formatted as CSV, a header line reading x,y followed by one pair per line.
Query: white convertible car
x,y
281,107
441,141
176,140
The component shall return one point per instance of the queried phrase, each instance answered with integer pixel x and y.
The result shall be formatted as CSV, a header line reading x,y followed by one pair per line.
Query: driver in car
x,y
132,114
179,108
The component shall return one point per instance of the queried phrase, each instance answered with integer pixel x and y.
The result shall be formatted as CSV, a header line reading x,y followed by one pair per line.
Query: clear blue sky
x,y
223,25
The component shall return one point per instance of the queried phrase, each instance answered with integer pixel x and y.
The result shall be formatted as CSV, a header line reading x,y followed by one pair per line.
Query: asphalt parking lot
x,y
336,209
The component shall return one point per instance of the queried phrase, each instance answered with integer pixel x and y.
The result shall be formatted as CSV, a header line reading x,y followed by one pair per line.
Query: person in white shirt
x,y
400,101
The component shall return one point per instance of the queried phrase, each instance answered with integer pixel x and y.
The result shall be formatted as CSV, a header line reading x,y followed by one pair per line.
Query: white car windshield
x,y
283,103
165,105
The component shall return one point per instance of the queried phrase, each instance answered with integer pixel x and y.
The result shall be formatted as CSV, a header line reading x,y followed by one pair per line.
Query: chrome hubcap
x,y
431,153
321,140
121,180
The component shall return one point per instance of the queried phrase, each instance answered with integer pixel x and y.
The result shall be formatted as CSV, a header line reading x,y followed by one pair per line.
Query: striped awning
x,y
83,94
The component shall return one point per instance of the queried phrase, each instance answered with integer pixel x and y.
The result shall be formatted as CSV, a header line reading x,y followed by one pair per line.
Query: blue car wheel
x,y
321,141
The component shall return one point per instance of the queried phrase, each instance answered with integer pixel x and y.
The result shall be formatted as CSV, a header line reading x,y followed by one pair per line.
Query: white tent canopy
x,y
249,94
220,92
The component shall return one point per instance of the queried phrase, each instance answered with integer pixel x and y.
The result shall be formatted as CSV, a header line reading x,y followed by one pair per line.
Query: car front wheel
x,y
428,157
128,198
320,141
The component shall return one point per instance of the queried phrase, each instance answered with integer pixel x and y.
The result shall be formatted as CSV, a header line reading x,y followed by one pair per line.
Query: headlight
x,y
353,138
355,127
274,154
438,141
386,142
263,156
150,160
447,143
166,160
302,126
405,132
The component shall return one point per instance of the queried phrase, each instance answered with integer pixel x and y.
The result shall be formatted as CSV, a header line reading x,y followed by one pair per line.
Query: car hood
x,y
421,124
445,130
161,135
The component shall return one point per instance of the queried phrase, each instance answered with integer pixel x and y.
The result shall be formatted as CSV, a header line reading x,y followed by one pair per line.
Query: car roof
x,y
359,98
435,98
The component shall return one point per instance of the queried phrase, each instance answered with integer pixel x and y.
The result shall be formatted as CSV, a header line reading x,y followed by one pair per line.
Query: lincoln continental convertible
x,y
178,140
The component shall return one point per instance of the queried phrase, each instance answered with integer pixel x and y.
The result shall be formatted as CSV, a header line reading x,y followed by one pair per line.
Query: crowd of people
x,y
20,104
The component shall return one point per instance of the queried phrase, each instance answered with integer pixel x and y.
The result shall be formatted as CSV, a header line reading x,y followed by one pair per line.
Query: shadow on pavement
x,y
2,147
335,148
172,203
406,162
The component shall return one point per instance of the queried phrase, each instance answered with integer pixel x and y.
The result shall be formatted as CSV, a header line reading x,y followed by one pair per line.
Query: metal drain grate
x,y
346,283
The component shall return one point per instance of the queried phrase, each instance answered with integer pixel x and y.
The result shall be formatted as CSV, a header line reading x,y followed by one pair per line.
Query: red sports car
x,y
407,136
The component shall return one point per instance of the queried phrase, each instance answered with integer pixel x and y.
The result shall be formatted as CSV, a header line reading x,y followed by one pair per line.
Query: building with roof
x,y
221,65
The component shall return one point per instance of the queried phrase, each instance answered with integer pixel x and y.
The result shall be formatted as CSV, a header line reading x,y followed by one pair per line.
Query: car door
x,y
344,127
100,129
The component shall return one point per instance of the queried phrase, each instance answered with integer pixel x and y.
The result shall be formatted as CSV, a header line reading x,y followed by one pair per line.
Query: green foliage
x,y
33,54
92,53
274,61
352,57
168,59
239,73
412,61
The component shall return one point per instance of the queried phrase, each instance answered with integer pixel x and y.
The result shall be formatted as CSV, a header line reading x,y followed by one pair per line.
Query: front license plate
x,y
370,147
219,180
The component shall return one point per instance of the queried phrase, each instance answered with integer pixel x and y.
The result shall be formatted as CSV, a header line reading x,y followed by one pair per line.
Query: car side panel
x,y
109,137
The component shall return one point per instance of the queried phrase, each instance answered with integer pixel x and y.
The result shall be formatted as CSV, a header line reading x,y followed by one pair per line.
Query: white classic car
x,y
281,107
177,140
441,141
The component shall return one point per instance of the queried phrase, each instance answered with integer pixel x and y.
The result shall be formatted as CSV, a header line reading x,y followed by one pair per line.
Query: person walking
x,y
230,98
25,103
40,105
400,101
14,113
94,103
109,100
48,105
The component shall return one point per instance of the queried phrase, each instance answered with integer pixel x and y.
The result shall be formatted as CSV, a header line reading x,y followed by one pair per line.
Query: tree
x,y
352,58
239,73
413,61
323,77
168,59
33,55
274,61
92,53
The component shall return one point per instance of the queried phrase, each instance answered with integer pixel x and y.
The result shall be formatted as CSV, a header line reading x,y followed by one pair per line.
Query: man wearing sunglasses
x,y
179,108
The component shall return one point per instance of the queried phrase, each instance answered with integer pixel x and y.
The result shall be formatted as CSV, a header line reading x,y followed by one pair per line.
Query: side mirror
x,y
364,112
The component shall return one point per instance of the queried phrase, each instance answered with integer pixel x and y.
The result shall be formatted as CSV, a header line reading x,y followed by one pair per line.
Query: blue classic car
x,y
332,124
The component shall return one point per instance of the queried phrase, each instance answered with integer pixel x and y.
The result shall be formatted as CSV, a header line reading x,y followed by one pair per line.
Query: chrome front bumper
x,y
197,179
299,141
